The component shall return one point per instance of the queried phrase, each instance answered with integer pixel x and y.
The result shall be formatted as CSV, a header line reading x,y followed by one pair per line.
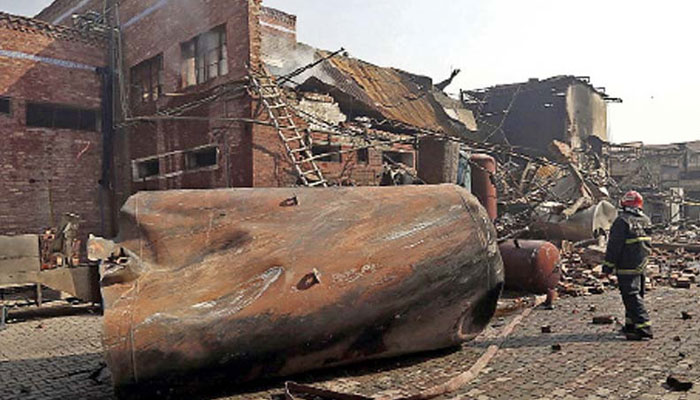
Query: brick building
x,y
362,97
179,98
50,138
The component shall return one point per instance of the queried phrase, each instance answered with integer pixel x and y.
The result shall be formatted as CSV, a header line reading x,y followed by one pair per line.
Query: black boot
x,y
639,334
646,333
628,328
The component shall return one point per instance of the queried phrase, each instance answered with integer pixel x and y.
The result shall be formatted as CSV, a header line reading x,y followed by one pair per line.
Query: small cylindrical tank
x,y
530,265
483,167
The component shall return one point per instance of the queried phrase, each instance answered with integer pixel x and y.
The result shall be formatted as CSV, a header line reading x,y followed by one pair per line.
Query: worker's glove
x,y
607,270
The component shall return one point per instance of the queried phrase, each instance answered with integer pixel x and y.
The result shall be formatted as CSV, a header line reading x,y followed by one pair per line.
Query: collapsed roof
x,y
362,89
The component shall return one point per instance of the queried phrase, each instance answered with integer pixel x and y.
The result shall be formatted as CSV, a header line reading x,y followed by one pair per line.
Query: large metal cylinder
x,y
226,286
530,265
482,184
585,224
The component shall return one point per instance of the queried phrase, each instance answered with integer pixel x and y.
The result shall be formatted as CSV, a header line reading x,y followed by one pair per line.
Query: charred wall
x,y
529,115
588,114
534,113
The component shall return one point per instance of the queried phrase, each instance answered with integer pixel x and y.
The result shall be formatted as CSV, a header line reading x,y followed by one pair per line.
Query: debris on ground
x,y
678,385
603,320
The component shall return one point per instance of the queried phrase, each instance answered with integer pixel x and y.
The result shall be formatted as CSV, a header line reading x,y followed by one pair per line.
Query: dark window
x,y
147,168
363,156
205,57
67,118
147,80
40,115
4,105
61,117
404,158
331,150
201,158
88,120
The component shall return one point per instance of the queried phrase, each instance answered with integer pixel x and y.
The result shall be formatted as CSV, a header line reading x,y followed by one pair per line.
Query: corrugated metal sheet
x,y
364,89
395,94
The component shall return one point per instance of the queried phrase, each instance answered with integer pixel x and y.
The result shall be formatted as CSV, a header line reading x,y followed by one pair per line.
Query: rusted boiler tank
x,y
531,265
226,286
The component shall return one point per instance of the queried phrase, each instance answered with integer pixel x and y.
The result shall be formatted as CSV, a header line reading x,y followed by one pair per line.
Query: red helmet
x,y
632,199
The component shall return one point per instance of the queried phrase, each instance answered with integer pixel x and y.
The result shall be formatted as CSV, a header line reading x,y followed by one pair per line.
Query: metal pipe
x,y
482,183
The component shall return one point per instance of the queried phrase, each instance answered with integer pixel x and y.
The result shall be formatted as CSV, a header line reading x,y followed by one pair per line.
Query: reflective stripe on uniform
x,y
638,239
643,325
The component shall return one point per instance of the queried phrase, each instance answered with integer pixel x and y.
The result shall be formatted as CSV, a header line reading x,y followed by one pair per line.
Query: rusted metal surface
x,y
227,286
482,184
530,265
396,95
295,391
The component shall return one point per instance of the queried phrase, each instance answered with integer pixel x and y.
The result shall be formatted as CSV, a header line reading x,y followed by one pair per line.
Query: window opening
x,y
202,158
319,149
205,57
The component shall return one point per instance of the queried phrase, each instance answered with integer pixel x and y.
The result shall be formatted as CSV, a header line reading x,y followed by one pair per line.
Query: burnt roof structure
x,y
532,114
362,89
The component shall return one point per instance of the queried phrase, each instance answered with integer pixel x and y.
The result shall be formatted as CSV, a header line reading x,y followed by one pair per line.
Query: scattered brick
x,y
603,320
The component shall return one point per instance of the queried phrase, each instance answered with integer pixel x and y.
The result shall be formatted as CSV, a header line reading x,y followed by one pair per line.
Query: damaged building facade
x,y
668,175
187,113
185,116
532,114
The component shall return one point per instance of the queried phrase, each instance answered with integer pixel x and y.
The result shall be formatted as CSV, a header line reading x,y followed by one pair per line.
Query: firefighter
x,y
627,255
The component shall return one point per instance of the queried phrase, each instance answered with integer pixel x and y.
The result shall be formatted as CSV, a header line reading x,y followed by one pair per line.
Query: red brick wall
x,y
249,155
47,172
272,168
278,24
162,32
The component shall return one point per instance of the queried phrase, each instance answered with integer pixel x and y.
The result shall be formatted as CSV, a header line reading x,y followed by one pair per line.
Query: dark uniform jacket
x,y
629,245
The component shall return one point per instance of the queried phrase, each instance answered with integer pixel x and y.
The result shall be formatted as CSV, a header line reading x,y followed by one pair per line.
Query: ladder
x,y
296,144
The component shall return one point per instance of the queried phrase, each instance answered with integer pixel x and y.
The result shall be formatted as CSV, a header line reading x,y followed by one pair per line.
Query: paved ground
x,y
53,358
51,353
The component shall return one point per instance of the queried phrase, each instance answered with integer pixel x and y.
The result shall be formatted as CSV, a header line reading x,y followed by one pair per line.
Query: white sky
x,y
642,51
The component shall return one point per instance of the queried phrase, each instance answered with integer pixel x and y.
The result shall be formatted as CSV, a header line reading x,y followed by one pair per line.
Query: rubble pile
x,y
681,234
566,198
677,268
582,272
